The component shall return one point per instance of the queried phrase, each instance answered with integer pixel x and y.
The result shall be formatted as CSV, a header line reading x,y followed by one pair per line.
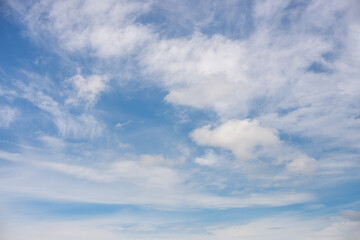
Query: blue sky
x,y
179,119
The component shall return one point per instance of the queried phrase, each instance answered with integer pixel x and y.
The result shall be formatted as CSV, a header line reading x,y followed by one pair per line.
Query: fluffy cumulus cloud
x,y
199,71
229,76
242,137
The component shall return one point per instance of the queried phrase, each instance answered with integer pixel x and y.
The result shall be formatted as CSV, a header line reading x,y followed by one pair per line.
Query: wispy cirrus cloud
x,y
151,181
104,29
78,126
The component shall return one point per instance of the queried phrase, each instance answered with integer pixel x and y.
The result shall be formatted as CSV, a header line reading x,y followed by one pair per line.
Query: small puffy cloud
x,y
242,137
86,89
7,116
209,159
120,125
302,164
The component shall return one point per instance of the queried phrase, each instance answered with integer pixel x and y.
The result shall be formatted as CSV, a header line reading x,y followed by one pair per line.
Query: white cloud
x,y
146,181
73,126
199,71
106,29
120,125
302,164
10,156
7,116
229,76
209,159
79,127
264,76
242,137
249,140
268,73
86,89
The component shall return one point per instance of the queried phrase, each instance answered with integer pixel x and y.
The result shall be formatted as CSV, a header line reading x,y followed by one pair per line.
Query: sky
x,y
169,120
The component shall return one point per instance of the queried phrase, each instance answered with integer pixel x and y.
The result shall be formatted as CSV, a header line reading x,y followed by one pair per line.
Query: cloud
x,y
81,126
302,164
10,156
198,71
53,143
242,137
231,76
146,181
294,76
120,125
7,116
249,140
281,227
123,145
267,75
105,30
209,159
86,89
139,227
264,75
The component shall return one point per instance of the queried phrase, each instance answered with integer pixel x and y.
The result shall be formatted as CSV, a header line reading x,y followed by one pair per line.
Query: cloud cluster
x,y
288,76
